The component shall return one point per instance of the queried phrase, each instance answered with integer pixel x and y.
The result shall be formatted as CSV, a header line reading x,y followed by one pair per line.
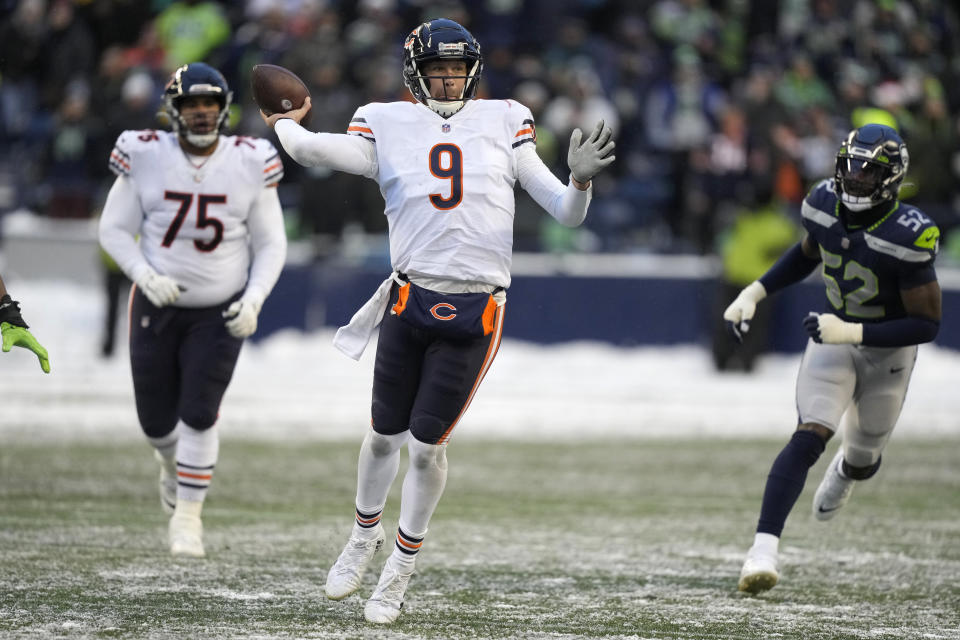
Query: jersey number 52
x,y
854,300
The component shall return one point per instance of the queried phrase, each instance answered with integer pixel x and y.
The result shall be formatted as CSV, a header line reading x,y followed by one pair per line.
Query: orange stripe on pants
x,y
487,361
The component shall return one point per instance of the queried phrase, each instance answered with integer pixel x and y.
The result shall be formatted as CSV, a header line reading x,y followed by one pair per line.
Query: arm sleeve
x,y
338,151
269,241
565,203
792,267
901,332
119,226
918,276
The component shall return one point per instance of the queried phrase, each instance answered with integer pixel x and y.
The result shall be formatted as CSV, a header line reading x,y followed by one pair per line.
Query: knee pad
x,y
426,456
428,429
199,422
860,473
382,445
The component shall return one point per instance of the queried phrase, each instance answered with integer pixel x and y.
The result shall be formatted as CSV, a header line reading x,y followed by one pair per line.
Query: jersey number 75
x,y
203,220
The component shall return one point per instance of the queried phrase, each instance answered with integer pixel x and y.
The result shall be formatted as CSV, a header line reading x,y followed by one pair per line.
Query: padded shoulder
x,y
507,115
906,233
361,122
522,126
130,146
260,154
819,208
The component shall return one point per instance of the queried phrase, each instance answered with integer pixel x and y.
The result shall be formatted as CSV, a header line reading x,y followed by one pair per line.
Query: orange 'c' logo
x,y
443,306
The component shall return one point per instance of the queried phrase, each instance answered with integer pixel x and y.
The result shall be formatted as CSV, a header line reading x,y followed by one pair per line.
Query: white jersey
x,y
195,213
448,184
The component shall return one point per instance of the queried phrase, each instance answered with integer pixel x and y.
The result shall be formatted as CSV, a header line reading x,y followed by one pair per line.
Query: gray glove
x,y
587,159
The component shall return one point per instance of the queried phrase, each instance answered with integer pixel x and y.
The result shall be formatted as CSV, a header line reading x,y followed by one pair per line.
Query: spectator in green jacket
x,y
758,236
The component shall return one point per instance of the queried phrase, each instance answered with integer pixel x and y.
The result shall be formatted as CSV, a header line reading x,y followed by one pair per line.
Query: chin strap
x,y
201,140
445,108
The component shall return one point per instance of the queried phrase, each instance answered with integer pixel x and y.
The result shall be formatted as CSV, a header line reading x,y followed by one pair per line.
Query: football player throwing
x,y
446,165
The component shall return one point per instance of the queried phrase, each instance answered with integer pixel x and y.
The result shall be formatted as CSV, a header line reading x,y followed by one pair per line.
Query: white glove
x,y
242,315
160,290
740,312
829,329
586,160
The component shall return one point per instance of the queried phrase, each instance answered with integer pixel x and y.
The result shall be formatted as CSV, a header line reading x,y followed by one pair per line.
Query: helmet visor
x,y
860,177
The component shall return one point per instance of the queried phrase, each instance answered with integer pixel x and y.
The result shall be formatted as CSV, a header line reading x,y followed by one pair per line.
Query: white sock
x,y
197,454
188,508
166,446
422,486
766,542
376,470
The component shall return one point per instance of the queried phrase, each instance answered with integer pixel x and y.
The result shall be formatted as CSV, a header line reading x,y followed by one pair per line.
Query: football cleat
x,y
168,483
186,536
347,572
384,605
759,572
834,490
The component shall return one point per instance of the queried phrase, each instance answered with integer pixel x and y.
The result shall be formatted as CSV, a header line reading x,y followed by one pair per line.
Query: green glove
x,y
21,337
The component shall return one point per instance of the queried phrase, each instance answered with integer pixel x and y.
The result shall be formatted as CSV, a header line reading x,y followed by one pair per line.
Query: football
x,y
278,90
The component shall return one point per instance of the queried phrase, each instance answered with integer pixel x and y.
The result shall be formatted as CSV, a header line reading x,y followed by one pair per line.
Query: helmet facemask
x,y
197,79
201,129
871,164
441,40
449,104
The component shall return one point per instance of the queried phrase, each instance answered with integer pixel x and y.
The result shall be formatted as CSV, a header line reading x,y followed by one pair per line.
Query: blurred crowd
x,y
720,107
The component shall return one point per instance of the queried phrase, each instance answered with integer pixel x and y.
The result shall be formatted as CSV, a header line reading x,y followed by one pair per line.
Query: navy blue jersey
x,y
865,268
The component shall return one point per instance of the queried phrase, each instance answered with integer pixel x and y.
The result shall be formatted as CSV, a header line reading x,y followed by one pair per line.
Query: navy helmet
x,y
441,39
196,79
871,164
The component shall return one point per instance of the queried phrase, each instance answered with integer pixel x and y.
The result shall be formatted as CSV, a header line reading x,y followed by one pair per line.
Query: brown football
x,y
278,90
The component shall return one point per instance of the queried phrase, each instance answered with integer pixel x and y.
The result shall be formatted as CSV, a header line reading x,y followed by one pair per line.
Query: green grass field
x,y
621,539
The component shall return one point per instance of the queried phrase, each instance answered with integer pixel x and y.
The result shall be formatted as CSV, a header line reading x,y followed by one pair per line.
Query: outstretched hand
x,y
587,159
14,336
295,114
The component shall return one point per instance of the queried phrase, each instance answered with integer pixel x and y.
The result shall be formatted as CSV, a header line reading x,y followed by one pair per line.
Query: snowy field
x,y
594,492
297,385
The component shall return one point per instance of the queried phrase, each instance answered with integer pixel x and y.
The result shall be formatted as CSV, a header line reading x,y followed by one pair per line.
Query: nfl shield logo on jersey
x,y
445,128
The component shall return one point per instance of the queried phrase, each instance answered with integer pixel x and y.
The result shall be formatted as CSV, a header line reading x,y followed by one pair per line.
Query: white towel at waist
x,y
352,338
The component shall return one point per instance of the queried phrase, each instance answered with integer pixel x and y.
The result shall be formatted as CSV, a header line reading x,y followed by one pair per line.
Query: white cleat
x,y
186,536
384,605
834,490
168,484
759,572
347,572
